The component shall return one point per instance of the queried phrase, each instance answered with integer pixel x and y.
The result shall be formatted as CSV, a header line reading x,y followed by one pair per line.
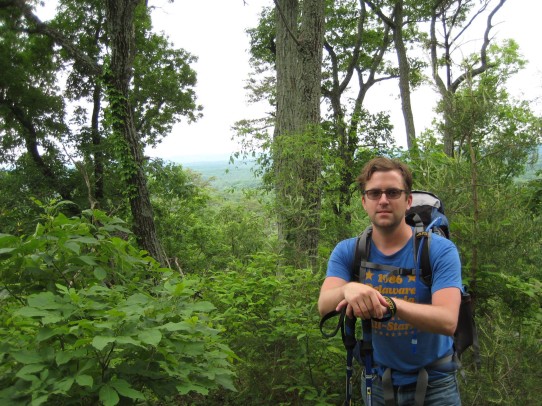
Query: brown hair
x,y
383,164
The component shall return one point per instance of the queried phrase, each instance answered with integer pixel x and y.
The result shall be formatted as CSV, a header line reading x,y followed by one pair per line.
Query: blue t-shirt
x,y
393,340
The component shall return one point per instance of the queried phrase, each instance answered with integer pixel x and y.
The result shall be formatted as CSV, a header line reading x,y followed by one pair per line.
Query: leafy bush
x,y
87,318
269,312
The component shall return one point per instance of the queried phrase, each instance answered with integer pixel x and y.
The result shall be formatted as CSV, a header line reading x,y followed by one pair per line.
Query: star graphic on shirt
x,y
412,278
369,275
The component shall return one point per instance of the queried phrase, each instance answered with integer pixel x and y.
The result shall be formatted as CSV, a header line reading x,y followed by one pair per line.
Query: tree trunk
x,y
120,19
97,152
404,75
297,155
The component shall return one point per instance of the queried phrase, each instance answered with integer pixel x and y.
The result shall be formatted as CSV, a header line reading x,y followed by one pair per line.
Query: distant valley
x,y
224,176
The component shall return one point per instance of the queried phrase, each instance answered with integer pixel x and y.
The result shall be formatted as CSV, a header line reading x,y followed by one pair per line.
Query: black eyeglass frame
x,y
391,193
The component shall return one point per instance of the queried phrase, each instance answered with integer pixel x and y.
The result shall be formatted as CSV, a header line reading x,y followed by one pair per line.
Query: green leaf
x,y
181,326
39,400
187,387
7,239
127,340
113,228
45,300
100,273
45,333
205,307
5,252
31,312
86,240
108,395
65,384
72,246
26,357
63,357
100,342
29,370
225,381
84,380
151,337
87,260
125,389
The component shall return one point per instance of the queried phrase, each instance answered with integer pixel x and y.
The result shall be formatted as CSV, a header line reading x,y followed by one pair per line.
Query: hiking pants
x,y
440,392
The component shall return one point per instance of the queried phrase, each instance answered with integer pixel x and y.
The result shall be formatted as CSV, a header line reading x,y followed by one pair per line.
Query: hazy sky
x,y
214,31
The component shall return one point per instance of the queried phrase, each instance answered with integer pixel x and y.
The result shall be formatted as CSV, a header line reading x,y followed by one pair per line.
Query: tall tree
x,y
496,136
356,43
101,50
121,31
452,20
297,140
396,21
31,111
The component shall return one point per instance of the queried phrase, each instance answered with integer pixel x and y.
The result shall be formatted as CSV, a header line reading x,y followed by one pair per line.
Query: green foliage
x,y
86,317
500,250
269,312
511,356
199,228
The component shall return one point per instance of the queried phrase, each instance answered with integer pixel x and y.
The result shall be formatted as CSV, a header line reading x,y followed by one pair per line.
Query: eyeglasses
x,y
376,194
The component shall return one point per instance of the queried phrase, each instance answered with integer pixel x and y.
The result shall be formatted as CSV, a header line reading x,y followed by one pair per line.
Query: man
x,y
419,335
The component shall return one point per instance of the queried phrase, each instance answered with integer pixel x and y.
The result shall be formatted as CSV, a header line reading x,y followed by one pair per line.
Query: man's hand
x,y
362,301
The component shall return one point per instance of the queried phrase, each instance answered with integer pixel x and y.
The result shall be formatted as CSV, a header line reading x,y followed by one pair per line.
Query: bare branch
x,y
483,51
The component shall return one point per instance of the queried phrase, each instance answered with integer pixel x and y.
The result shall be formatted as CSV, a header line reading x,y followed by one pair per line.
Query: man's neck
x,y
389,241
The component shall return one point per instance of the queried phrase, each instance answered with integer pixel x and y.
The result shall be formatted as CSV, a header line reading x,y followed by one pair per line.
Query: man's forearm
x,y
329,299
439,317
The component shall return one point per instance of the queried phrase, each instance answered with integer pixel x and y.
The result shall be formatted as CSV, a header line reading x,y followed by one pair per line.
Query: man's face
x,y
385,213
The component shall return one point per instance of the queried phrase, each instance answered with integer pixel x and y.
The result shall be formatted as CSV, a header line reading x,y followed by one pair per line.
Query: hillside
x,y
532,170
223,175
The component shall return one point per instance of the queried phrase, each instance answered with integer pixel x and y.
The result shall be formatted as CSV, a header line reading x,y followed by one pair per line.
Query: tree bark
x,y
297,156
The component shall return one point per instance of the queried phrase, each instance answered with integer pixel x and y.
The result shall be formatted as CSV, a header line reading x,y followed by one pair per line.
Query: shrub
x,y
88,318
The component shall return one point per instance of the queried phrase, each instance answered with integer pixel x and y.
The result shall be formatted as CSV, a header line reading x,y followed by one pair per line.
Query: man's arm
x,y
361,300
439,317
365,302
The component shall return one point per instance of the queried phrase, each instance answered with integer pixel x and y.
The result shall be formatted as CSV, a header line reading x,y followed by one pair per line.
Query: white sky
x,y
214,31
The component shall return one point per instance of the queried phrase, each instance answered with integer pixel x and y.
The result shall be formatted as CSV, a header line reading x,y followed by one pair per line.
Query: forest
x,y
126,280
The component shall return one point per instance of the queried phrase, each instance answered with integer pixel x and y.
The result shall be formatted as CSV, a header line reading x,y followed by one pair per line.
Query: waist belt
x,y
444,364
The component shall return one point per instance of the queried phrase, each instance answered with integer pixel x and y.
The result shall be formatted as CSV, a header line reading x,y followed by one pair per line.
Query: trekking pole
x,y
347,326
349,340
367,352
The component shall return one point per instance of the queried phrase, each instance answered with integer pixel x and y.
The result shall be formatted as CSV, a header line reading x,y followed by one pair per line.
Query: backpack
x,y
427,216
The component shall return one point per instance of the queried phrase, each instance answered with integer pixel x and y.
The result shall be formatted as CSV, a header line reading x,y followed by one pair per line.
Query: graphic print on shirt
x,y
394,286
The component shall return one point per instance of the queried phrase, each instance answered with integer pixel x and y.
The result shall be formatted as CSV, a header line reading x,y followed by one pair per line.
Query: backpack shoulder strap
x,y
422,241
425,263
361,253
361,259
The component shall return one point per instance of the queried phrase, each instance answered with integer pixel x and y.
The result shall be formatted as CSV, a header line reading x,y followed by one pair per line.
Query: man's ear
x,y
409,201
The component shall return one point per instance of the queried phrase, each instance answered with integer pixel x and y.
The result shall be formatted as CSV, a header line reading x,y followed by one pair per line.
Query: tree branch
x,y
60,39
484,65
